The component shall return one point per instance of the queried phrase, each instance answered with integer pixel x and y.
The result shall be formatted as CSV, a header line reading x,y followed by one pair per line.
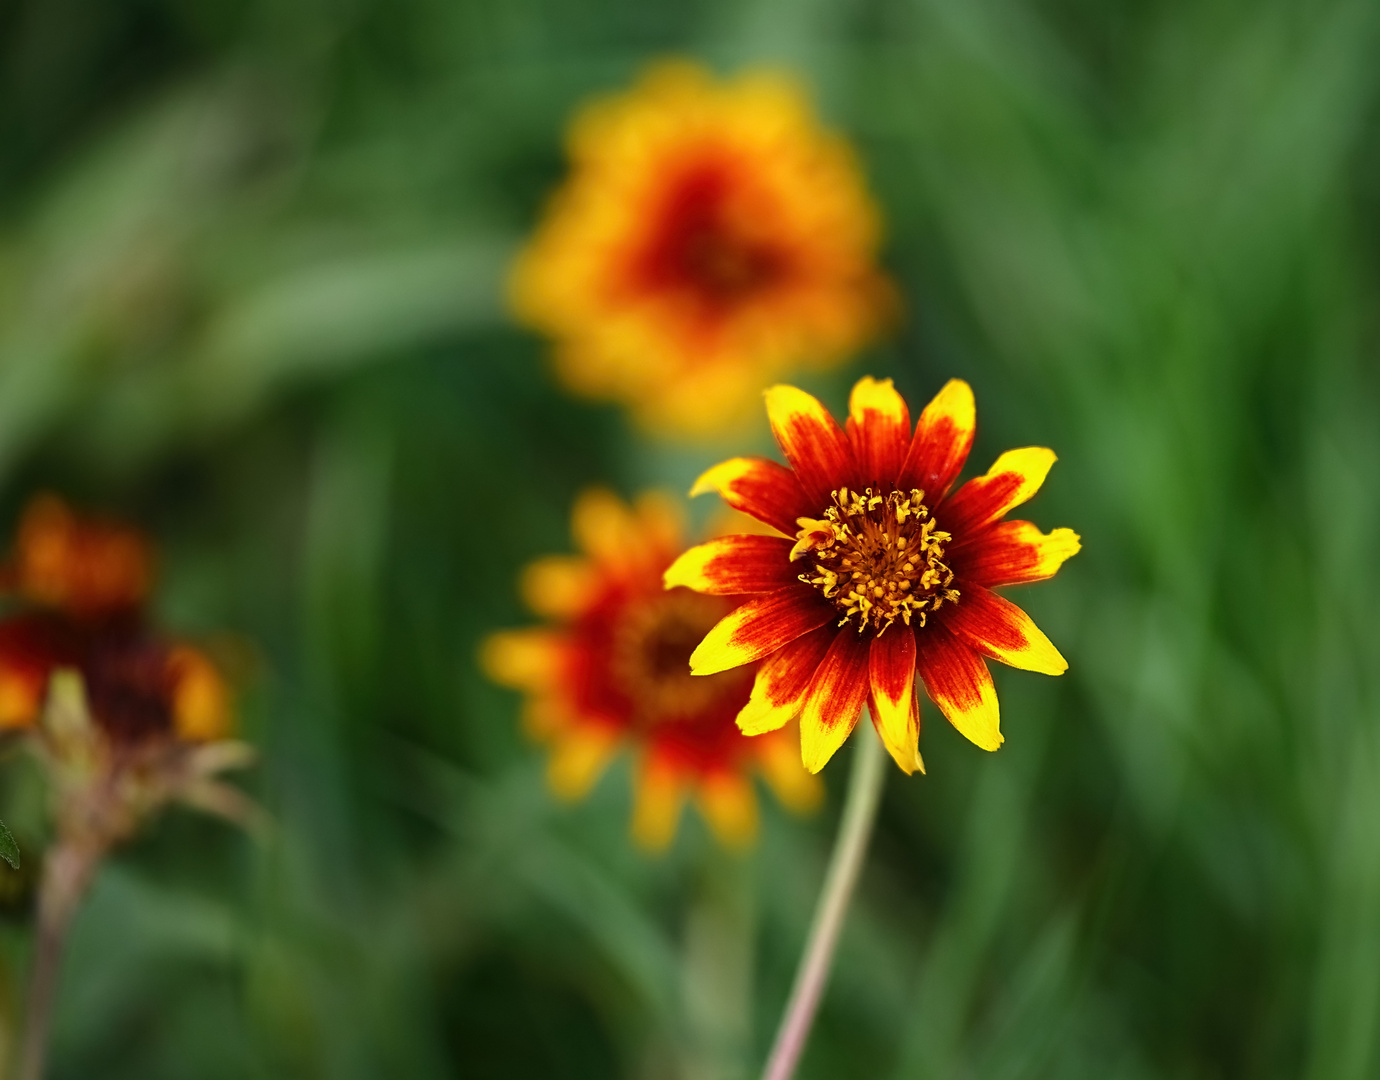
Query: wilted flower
x,y
612,669
710,237
879,572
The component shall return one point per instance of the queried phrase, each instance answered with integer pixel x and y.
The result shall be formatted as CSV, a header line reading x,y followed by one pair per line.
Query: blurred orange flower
x,y
711,236
878,572
80,586
123,717
612,668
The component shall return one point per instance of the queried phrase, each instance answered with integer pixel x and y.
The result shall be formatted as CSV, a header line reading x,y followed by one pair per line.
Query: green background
x,y
251,265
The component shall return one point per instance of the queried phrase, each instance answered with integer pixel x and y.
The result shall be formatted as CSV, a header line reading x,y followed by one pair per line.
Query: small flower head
x,y
878,572
711,236
86,568
123,717
611,668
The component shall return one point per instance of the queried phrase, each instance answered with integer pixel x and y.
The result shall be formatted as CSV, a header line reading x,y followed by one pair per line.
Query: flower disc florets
x,y
649,659
878,556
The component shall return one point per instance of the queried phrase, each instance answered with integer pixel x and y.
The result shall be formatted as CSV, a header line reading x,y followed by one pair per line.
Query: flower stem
x,y
66,873
717,968
855,828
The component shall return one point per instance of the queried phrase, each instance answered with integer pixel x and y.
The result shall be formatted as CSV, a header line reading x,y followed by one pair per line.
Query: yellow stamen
x,y
897,575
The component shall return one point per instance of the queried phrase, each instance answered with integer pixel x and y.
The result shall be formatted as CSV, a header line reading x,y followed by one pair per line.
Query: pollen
x,y
878,556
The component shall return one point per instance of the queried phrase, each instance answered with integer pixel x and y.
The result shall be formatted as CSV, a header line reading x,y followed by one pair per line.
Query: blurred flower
x,y
710,237
80,585
122,718
612,668
880,571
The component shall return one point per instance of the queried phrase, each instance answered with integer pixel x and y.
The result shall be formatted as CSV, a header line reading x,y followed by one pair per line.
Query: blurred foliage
x,y
251,267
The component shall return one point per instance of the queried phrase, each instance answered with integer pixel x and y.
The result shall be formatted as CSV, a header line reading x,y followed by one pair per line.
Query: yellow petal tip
x,y
717,476
687,570
709,658
956,398
867,389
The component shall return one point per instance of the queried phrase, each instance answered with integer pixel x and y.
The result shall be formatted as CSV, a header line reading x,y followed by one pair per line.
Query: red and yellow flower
x,y
710,237
124,717
611,669
878,572
80,585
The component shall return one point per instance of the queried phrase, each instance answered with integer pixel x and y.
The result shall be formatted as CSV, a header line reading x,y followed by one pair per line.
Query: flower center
x,y
877,556
701,243
651,658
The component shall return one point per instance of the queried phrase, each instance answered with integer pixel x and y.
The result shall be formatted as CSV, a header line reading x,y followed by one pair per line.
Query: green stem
x,y
66,873
859,812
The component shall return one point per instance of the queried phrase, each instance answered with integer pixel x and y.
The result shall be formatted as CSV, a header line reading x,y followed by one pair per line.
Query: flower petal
x,y
21,695
762,488
658,795
604,527
1012,553
813,443
201,706
578,760
558,586
778,693
957,680
523,659
836,696
778,757
878,429
759,627
729,804
734,566
661,521
943,437
895,712
999,629
1012,479
546,713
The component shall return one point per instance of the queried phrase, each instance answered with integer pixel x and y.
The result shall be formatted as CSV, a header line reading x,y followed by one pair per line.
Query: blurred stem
x,y
859,812
67,872
717,967
8,1013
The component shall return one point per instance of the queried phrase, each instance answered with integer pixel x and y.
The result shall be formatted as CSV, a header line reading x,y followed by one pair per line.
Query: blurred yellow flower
x,y
711,235
613,668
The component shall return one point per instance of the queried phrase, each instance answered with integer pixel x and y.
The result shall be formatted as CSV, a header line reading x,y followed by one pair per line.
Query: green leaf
x,y
9,850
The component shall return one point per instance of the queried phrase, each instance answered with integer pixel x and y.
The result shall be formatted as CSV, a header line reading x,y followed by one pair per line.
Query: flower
x,y
123,717
612,668
878,573
711,236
